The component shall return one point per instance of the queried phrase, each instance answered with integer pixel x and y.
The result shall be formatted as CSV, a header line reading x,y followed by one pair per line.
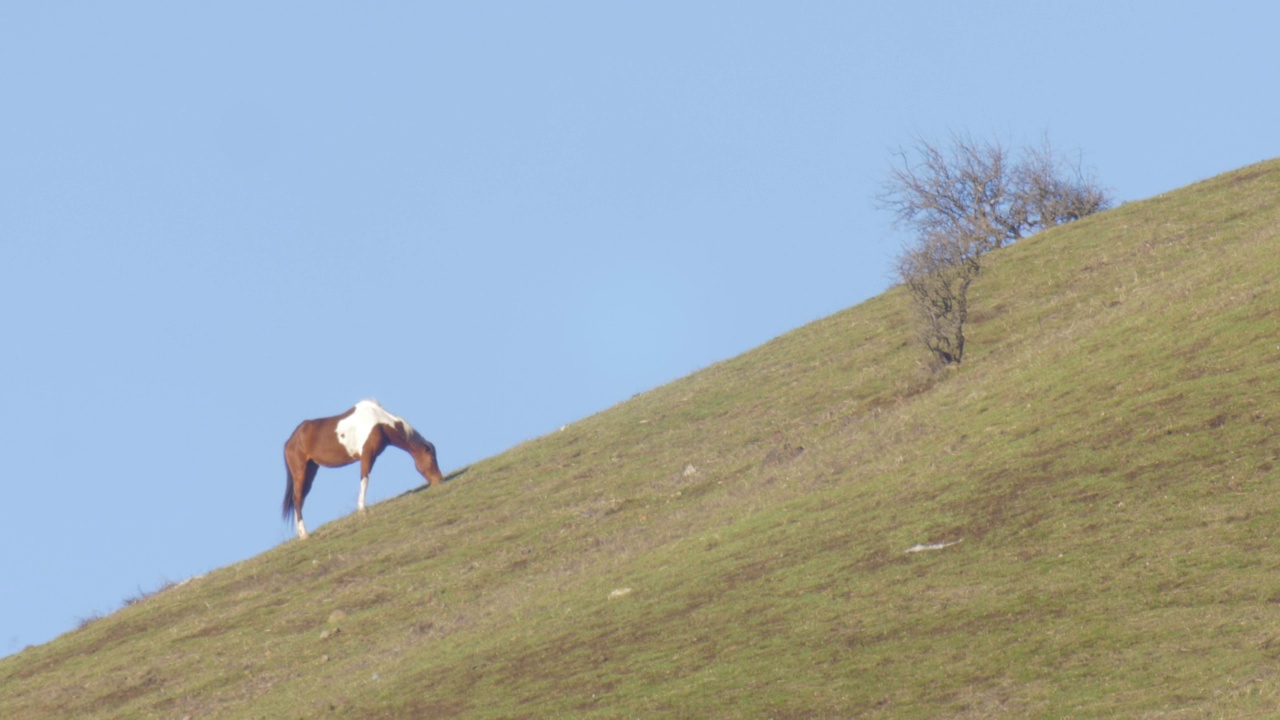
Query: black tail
x,y
287,508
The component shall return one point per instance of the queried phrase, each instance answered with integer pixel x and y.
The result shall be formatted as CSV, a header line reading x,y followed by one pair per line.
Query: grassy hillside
x,y
734,544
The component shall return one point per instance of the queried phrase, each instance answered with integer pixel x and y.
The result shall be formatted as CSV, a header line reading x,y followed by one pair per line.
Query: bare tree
x,y
965,190
963,201
1054,190
937,273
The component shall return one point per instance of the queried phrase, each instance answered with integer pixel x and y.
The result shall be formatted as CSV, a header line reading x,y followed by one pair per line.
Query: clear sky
x,y
218,219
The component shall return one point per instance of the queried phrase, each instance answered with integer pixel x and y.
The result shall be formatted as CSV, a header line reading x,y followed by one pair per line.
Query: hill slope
x,y
734,544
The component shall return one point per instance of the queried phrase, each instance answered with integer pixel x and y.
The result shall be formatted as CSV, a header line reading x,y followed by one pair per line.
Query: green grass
x,y
1107,456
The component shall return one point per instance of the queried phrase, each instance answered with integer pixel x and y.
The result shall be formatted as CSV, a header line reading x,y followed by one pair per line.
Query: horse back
x,y
317,440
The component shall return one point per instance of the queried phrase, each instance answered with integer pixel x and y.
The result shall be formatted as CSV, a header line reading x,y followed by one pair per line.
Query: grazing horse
x,y
361,433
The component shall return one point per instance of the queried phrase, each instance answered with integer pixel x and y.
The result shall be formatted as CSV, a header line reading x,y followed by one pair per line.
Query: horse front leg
x,y
366,466
373,447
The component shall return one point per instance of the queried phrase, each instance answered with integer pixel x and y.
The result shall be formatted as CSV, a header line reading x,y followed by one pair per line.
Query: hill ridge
x,y
1104,453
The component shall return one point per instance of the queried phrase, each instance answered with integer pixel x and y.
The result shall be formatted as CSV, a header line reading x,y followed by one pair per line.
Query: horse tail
x,y
287,508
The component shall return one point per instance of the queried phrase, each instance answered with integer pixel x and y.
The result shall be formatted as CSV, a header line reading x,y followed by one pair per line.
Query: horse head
x,y
424,457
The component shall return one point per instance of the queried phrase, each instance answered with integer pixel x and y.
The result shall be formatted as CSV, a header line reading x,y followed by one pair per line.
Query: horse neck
x,y
401,440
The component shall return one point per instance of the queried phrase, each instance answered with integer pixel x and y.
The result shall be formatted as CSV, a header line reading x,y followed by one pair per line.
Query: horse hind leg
x,y
295,466
302,486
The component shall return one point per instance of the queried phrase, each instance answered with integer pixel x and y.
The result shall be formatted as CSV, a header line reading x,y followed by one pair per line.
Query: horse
x,y
361,433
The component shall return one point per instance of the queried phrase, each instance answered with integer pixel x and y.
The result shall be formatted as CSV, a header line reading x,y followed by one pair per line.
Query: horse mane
x,y
402,426
411,434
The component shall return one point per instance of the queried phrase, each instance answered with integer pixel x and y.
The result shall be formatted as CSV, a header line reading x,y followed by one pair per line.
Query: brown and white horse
x,y
361,433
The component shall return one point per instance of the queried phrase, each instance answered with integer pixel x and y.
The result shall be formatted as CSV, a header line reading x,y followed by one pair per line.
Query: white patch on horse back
x,y
353,430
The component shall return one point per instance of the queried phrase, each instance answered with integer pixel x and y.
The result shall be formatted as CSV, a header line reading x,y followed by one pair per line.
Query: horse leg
x,y
312,469
301,486
297,466
366,466
373,447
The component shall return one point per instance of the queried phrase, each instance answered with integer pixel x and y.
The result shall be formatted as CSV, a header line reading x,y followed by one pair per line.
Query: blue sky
x,y
219,219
